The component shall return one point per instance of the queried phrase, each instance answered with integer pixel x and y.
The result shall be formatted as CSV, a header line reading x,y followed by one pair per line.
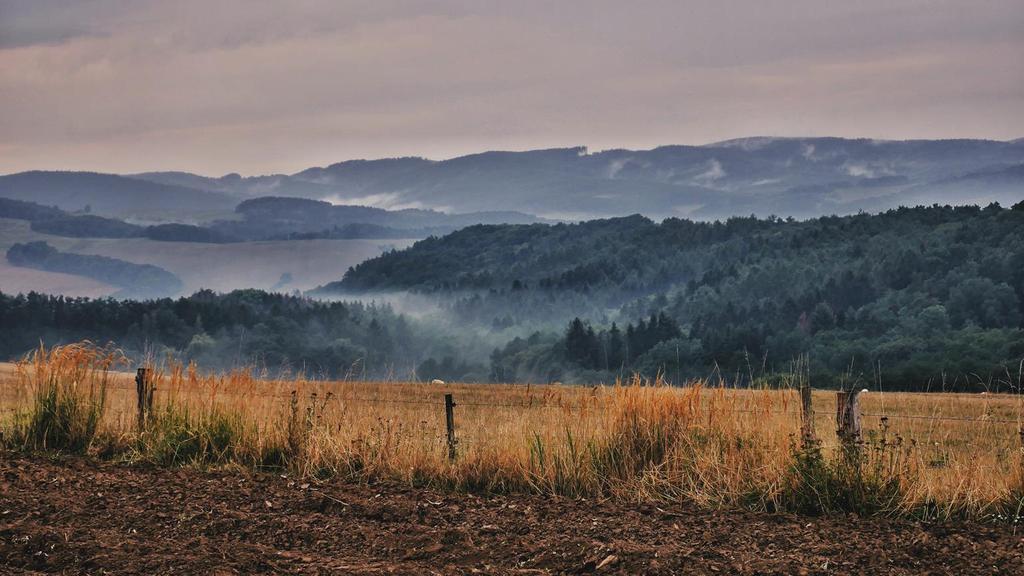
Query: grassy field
x,y
16,280
936,455
220,267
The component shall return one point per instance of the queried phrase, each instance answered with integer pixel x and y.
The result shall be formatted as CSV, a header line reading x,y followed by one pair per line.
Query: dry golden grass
x,y
951,455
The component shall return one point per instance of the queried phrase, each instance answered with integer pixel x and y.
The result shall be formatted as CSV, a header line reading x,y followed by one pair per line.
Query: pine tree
x,y
616,357
577,345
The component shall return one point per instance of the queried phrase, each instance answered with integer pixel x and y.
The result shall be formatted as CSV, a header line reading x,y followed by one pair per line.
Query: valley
x,y
221,267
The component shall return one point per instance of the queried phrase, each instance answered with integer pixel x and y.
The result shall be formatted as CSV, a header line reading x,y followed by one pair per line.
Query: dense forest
x,y
242,328
920,297
56,222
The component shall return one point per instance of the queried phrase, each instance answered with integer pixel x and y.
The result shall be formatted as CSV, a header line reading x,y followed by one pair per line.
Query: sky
x,y
257,87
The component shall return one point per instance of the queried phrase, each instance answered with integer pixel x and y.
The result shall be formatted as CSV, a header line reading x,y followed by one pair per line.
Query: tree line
x,y
244,328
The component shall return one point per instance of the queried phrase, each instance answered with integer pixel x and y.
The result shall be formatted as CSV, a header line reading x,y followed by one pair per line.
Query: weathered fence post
x,y
848,416
807,439
144,393
449,417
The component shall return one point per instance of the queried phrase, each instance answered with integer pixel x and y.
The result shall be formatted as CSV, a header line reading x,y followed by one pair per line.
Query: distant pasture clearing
x,y
220,267
15,280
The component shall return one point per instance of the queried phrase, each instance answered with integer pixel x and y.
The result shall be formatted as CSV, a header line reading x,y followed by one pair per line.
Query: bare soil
x,y
79,516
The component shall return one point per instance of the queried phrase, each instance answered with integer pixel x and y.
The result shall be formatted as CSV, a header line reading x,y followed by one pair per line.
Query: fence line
x,y
949,418
729,410
794,413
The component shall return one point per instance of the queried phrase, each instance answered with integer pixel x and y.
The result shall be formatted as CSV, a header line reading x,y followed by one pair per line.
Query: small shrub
x,y
863,478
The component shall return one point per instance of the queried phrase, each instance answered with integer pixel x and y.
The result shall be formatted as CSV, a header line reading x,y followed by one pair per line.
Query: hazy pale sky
x,y
215,86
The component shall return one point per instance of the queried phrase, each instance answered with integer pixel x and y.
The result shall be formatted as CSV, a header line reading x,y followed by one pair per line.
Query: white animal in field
x,y
437,382
864,390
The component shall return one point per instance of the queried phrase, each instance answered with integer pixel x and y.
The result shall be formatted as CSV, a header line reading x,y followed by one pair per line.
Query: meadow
x,y
927,455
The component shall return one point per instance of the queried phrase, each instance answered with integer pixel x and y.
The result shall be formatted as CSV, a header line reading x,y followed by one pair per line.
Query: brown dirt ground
x,y
79,516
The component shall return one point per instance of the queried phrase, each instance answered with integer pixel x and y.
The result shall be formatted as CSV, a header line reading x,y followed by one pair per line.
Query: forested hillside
x,y
926,295
241,328
265,218
135,280
57,222
300,217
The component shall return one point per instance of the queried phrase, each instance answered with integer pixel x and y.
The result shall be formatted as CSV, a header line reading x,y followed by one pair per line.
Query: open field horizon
x,y
949,455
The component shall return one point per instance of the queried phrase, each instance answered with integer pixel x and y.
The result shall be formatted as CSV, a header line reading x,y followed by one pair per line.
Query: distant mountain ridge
x,y
112,195
265,218
799,177
56,222
306,218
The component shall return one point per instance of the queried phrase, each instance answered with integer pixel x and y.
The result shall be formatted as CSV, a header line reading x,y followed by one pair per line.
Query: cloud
x,y
713,172
387,201
616,166
859,170
236,85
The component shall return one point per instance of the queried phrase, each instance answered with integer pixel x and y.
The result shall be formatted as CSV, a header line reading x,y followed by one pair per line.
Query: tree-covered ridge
x,y
638,254
135,280
264,218
56,222
272,216
926,293
592,254
21,210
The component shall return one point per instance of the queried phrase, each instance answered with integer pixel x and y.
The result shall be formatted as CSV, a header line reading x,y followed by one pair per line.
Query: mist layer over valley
x,y
917,297
725,260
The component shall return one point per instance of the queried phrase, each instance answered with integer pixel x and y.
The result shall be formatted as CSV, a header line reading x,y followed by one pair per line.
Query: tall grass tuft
x,y
178,435
67,388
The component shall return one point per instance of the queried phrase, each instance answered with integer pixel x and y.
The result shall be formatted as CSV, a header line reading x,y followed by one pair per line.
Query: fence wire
x,y
794,413
942,418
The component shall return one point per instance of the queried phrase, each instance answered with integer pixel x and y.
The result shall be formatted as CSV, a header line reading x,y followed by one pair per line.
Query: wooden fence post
x,y
144,394
449,417
807,439
848,416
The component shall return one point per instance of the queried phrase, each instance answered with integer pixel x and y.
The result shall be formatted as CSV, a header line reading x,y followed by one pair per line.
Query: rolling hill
x,y
112,195
799,177
284,265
